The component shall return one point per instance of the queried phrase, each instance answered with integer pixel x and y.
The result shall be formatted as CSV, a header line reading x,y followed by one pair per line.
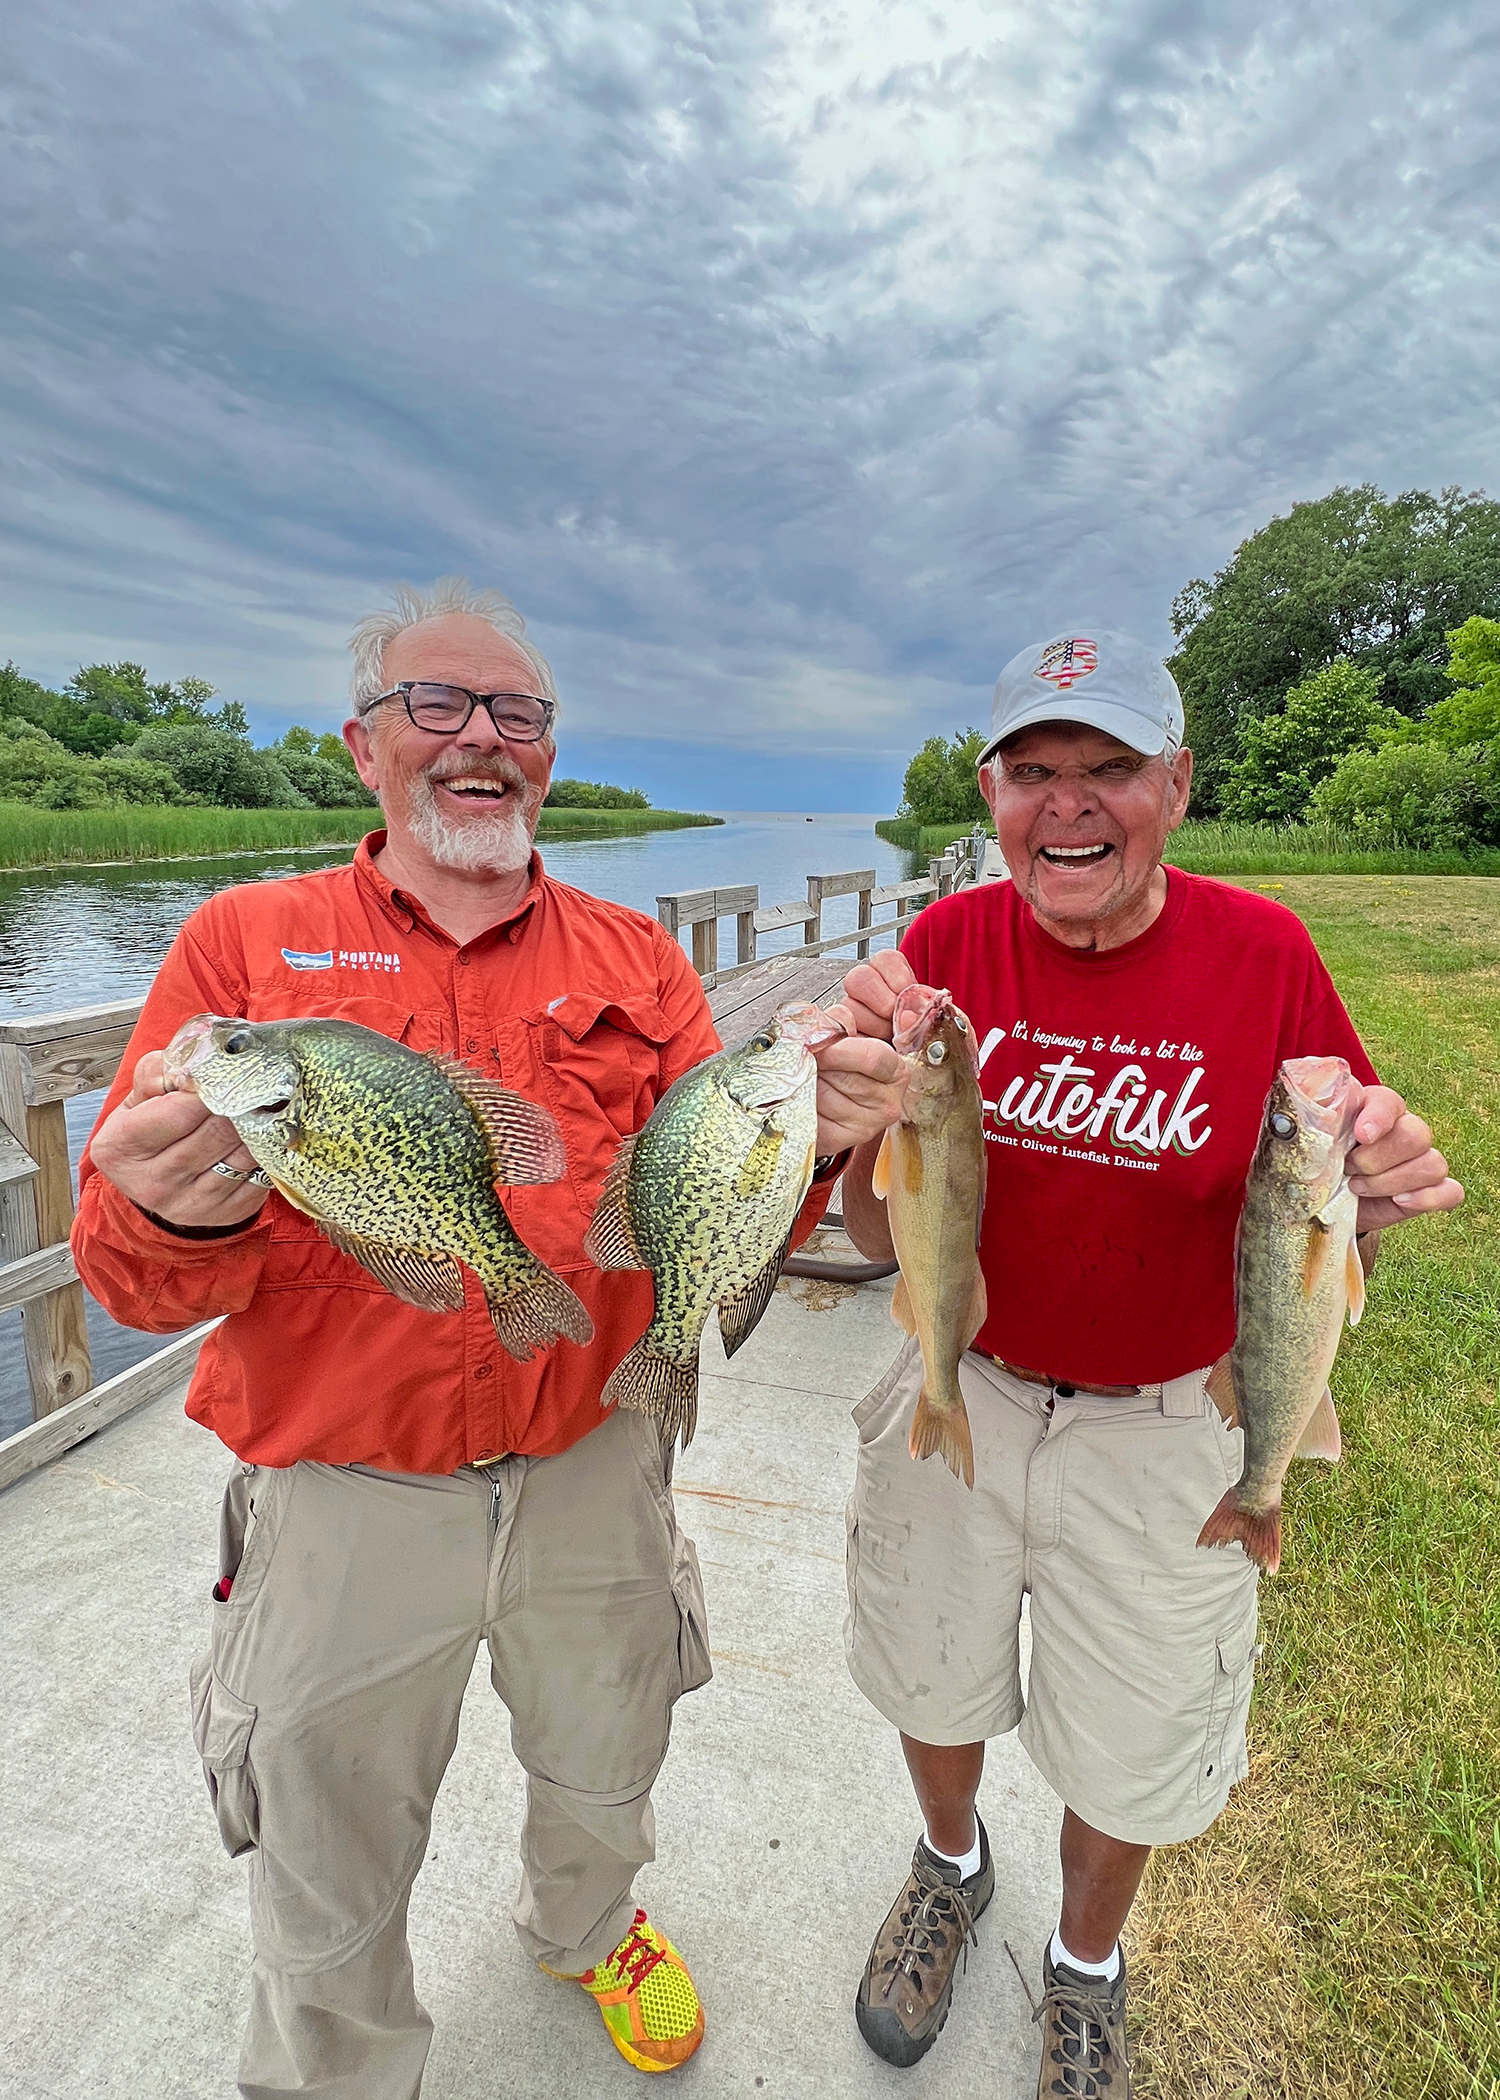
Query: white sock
x,y
967,1863
1109,1970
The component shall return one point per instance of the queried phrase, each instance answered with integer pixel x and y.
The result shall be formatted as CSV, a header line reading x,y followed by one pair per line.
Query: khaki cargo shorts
x,y
1142,1642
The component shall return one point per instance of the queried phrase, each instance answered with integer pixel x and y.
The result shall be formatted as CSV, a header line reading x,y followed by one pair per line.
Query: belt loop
x,y
1184,1397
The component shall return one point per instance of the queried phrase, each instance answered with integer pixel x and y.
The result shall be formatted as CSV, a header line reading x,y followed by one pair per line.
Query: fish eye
x,y
240,1040
1285,1126
936,1052
763,1041
960,1024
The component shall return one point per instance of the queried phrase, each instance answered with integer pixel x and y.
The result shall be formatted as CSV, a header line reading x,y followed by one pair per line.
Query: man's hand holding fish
x,y
1187,1161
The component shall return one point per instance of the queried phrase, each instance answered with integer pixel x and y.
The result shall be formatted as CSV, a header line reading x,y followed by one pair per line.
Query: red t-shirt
x,y
1123,1094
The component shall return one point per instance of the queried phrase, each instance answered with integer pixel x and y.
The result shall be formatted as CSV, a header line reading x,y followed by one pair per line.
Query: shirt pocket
x,y
602,1056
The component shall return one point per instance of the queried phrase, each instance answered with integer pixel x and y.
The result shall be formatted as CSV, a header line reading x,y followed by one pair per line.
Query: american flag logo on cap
x,y
1063,663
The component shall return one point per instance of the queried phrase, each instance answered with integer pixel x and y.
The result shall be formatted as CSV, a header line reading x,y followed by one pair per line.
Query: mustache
x,y
496,767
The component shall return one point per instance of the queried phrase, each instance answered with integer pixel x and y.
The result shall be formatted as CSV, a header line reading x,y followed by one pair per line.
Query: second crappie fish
x,y
931,1172
1297,1274
395,1155
705,1197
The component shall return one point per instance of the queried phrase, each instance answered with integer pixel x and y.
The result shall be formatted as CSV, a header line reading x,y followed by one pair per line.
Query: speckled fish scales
x,y
705,1197
1297,1274
395,1155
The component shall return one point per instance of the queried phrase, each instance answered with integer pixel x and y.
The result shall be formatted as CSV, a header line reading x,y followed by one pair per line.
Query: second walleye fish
x,y
1297,1273
931,1171
705,1197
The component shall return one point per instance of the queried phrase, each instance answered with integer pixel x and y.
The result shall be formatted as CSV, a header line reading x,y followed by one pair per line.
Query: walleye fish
x,y
930,1169
1297,1273
705,1197
395,1155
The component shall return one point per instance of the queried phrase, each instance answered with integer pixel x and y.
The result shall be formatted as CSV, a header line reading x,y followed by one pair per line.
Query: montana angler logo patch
x,y
301,959
1063,663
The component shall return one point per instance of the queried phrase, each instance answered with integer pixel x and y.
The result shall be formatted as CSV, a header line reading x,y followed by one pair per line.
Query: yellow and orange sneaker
x,y
646,1999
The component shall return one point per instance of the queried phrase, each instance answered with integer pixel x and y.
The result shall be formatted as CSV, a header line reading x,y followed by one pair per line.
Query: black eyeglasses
x,y
523,718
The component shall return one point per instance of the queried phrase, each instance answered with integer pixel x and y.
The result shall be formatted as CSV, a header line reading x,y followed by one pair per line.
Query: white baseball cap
x,y
1106,680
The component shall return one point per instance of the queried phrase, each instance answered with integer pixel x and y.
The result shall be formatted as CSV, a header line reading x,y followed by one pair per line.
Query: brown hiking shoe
x,y
1083,2035
904,1994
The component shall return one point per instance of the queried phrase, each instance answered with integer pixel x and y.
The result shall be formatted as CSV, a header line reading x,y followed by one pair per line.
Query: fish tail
x,y
1258,1530
657,1385
945,1430
537,1314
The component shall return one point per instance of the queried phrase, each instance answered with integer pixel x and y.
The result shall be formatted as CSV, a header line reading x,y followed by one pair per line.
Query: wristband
x,y
197,1232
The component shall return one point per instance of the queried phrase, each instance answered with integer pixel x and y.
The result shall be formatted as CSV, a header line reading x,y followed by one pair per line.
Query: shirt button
x,y
463,962
484,1370
471,1042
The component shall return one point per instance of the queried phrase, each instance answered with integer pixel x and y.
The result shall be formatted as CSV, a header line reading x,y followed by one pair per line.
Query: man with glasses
x,y
402,1487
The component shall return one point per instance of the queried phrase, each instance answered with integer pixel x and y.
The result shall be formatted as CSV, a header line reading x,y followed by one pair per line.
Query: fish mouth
x,y
189,1048
1321,1093
919,1012
814,1027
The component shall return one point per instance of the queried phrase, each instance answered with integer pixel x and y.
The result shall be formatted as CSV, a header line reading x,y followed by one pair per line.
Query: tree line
x,y
1343,665
112,736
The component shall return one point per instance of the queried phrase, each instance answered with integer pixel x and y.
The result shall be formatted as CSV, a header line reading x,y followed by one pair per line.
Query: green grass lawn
x,y
1243,849
1338,1932
42,838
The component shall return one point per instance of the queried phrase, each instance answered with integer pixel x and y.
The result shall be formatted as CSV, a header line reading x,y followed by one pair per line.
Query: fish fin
x,y
738,1315
432,1281
880,1173
901,1307
759,1163
979,1308
1258,1530
1321,1437
947,1431
913,1167
297,1202
656,1385
1354,1270
525,1145
1220,1387
1319,1239
541,1312
610,1242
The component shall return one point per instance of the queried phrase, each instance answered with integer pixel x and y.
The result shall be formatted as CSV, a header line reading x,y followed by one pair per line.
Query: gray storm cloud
x,y
789,366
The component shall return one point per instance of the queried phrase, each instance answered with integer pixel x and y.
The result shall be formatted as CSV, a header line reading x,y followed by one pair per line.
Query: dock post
x,y
862,950
53,1326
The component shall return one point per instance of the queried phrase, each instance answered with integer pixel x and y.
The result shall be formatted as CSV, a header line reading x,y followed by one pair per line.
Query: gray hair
x,y
450,594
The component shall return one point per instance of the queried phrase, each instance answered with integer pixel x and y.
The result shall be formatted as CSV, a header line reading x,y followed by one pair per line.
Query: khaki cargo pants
x,y
328,1708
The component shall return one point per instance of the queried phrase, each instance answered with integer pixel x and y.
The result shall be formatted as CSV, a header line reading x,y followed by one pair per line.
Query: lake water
x,y
79,936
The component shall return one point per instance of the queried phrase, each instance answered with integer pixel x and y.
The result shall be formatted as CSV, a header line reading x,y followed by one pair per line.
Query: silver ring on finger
x,y
257,1177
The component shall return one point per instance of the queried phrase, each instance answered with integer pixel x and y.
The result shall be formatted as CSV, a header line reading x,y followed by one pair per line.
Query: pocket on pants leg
x,y
1223,1759
222,1727
695,1665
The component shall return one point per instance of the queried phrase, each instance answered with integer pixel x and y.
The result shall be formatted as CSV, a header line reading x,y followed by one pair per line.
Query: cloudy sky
x,y
790,365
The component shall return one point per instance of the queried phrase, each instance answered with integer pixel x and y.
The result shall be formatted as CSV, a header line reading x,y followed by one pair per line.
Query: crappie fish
x,y
930,1170
395,1155
1297,1273
705,1197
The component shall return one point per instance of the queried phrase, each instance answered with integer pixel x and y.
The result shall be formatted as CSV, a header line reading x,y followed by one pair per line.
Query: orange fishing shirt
x,y
583,1006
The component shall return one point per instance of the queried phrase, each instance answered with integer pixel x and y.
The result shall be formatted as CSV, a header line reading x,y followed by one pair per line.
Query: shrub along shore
x,y
1221,848
48,838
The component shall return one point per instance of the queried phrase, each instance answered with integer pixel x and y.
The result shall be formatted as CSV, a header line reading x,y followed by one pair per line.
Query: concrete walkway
x,y
784,1814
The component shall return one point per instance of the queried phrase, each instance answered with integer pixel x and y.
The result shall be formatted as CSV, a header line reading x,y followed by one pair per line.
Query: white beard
x,y
499,841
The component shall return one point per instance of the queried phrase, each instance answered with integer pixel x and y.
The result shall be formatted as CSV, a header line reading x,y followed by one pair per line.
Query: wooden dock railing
x,y
701,910
47,1058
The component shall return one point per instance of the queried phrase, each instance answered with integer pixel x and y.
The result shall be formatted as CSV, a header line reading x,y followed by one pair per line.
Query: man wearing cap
x,y
1129,1019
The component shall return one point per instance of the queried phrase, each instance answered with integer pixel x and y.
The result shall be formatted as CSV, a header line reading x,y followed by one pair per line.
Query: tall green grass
x,y
1244,849
1337,1934
43,838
